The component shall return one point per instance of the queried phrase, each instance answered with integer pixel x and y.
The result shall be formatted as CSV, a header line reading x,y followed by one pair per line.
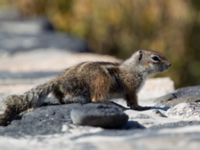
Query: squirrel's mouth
x,y
164,67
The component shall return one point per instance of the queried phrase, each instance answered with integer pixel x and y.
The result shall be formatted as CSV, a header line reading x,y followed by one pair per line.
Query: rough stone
x,y
182,95
189,111
41,121
100,115
174,101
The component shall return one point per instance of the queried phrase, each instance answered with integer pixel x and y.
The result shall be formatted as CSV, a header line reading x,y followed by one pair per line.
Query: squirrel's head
x,y
147,62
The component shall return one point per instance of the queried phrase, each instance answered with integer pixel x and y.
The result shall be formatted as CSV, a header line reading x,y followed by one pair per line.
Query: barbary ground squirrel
x,y
91,82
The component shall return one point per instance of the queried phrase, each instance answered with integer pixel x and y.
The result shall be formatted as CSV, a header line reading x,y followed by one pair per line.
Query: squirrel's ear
x,y
140,55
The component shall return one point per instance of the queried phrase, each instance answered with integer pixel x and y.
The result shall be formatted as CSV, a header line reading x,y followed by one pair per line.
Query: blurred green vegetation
x,y
3,3
119,27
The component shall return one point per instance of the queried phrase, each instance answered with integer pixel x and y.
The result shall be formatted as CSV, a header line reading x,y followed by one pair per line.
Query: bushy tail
x,y
13,105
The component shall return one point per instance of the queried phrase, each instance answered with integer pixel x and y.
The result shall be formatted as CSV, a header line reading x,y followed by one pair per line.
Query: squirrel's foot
x,y
141,108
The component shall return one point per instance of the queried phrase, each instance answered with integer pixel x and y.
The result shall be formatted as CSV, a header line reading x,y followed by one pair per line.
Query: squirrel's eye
x,y
155,58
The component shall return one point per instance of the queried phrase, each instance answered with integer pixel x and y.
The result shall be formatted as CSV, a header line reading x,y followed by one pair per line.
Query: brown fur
x,y
91,82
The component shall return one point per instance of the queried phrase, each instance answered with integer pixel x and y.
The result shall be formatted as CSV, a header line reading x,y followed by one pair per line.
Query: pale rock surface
x,y
154,88
185,111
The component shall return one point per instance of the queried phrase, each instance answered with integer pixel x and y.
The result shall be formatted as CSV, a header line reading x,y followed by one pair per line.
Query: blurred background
x,y
119,27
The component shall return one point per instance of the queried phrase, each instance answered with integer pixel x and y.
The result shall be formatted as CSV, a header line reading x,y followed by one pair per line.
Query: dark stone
x,y
182,95
101,115
41,121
